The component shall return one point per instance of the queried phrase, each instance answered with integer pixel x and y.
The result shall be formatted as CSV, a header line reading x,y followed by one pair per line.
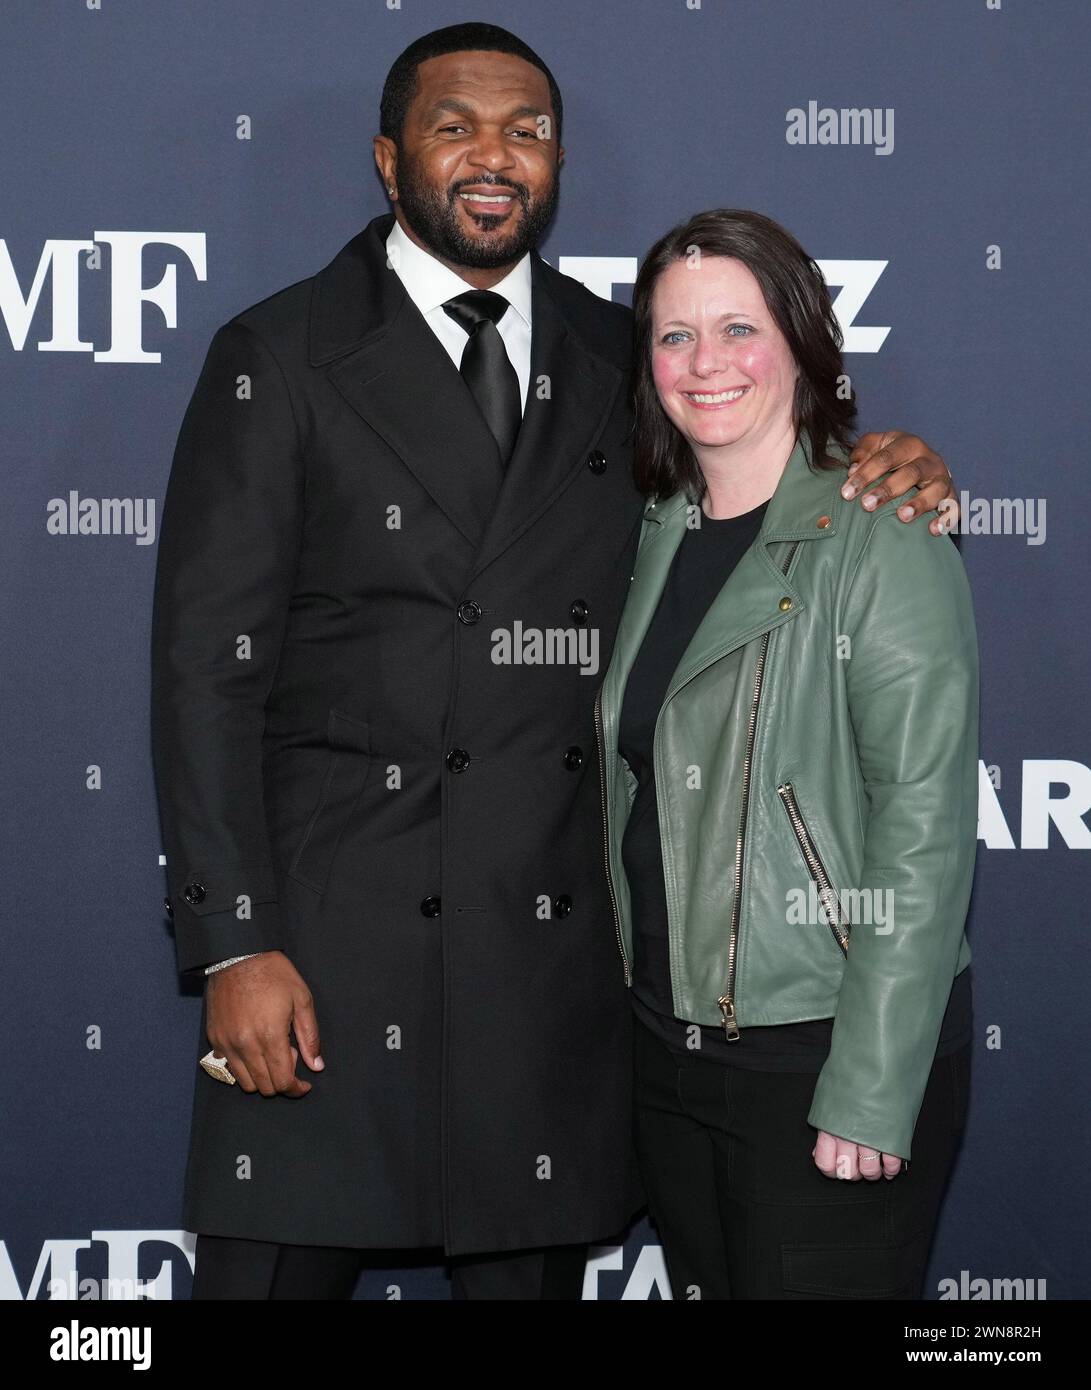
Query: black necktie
x,y
486,367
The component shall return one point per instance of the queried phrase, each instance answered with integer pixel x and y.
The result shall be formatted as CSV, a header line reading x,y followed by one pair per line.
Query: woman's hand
x,y
841,1158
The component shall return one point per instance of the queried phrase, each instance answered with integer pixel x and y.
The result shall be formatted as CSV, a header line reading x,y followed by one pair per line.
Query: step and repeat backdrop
x,y
166,165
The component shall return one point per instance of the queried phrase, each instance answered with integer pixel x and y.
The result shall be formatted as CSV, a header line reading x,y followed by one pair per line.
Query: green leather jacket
x,y
816,764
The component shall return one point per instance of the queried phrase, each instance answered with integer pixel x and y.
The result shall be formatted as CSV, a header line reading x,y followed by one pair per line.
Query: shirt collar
x,y
429,283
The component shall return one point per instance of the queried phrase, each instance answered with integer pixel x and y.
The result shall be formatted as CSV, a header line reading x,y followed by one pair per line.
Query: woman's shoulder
x,y
888,562
882,531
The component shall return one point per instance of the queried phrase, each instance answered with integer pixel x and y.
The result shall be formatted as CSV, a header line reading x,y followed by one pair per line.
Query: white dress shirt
x,y
429,284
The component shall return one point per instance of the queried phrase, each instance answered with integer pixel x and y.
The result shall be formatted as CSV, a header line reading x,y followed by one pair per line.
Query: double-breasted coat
x,y
375,657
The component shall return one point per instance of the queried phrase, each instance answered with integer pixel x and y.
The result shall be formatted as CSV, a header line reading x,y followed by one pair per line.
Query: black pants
x,y
742,1211
231,1268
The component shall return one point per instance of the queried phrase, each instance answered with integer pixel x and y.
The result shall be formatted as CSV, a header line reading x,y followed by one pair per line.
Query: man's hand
x,y
841,1158
251,1007
913,462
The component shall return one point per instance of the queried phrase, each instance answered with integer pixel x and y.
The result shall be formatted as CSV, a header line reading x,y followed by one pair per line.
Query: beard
x,y
433,215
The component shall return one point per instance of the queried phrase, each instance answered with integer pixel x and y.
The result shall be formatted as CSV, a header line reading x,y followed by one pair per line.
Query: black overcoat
x,y
371,753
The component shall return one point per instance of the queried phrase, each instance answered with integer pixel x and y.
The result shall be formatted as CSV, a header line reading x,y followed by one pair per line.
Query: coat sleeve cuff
x,y
224,913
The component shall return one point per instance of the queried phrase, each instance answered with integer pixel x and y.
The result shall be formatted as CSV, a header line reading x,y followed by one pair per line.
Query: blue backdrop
x,y
949,210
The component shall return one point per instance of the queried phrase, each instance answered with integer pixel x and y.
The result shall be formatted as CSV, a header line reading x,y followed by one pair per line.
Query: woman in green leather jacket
x,y
788,730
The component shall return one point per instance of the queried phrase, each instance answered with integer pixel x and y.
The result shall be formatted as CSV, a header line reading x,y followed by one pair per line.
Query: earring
x,y
390,188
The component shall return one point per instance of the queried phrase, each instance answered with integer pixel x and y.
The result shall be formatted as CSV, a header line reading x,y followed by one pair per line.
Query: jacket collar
x,y
756,597
803,496
389,366
356,297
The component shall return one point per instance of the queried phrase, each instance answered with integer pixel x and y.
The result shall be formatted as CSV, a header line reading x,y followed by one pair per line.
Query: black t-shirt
x,y
705,558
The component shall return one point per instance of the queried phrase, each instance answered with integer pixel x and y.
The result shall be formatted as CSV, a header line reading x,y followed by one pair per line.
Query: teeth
x,y
704,398
485,198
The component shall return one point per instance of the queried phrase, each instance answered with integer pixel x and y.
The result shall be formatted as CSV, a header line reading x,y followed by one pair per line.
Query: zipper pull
x,y
727,1008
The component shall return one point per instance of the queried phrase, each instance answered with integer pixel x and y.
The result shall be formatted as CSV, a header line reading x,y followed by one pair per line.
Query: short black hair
x,y
400,86
796,295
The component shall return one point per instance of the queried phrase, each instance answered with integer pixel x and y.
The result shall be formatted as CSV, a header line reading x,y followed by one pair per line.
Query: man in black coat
x,y
397,538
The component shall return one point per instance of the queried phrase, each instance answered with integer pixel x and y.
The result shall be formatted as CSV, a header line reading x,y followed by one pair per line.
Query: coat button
x,y
457,760
596,461
573,759
822,522
194,893
784,604
168,907
469,611
430,907
578,610
562,906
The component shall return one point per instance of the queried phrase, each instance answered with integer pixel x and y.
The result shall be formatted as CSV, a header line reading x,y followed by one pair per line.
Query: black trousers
x,y
228,1267
742,1211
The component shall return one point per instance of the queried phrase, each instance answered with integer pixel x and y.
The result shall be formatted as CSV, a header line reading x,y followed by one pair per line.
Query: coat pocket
x,y
346,774
815,867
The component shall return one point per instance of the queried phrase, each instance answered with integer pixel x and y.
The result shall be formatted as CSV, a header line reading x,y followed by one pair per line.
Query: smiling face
x,y
723,370
476,182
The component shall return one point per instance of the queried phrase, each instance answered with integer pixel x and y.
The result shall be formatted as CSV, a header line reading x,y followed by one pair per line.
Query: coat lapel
x,y
389,366
571,395
392,370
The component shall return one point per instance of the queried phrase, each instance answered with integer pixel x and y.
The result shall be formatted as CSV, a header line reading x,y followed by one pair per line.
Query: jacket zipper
x,y
599,729
815,866
727,999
